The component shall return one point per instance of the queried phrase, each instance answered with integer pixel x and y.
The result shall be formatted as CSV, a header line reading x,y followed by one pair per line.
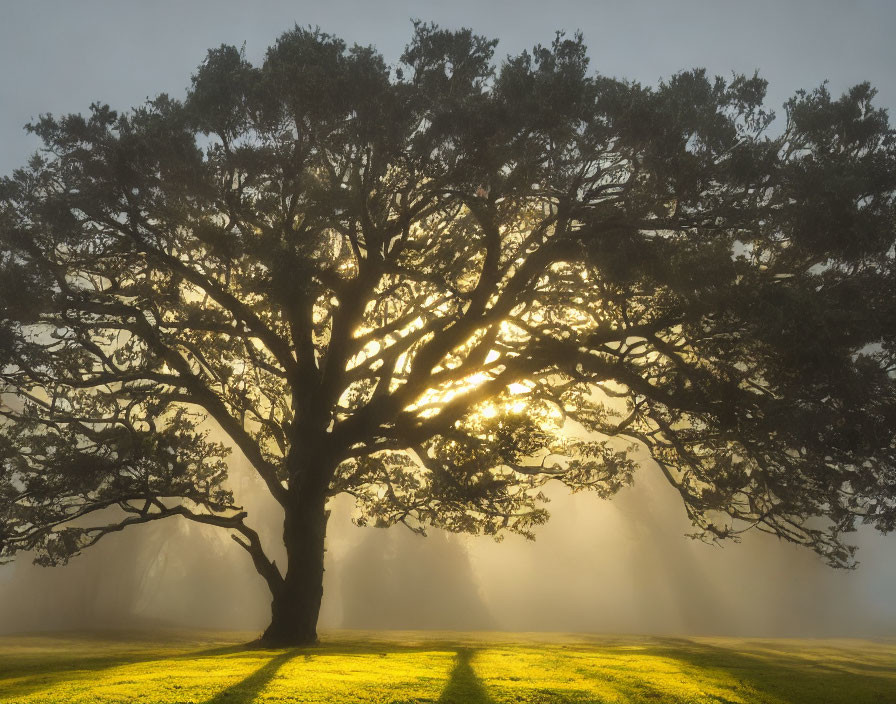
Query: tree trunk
x,y
296,604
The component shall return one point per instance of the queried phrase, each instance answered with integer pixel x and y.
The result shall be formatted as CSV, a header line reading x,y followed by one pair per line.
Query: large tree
x,y
438,286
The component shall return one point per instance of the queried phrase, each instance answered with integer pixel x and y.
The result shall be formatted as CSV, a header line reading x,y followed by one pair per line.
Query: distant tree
x,y
402,581
439,286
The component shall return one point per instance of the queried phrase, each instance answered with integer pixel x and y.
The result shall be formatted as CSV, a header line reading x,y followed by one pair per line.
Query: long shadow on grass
x,y
464,687
787,678
35,677
19,679
248,689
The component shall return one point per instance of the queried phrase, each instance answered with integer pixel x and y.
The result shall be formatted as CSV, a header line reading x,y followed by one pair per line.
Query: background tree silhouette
x,y
439,286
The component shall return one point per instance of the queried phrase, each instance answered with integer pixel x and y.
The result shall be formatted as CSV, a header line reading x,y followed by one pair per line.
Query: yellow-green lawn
x,y
467,668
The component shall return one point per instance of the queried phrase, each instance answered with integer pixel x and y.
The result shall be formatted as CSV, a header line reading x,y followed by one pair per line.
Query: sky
x,y
617,566
58,56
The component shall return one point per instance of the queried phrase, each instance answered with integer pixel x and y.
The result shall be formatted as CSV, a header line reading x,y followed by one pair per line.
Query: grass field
x,y
474,668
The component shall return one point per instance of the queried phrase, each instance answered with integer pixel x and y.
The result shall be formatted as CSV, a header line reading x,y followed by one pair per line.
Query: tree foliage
x,y
438,286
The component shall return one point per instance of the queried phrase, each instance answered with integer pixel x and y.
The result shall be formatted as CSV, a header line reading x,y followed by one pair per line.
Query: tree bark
x,y
296,603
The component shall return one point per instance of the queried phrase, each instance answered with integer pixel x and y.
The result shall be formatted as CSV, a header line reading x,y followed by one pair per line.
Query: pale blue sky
x,y
58,56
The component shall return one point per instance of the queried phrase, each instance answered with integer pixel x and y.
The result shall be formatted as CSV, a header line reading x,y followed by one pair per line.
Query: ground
x,y
465,668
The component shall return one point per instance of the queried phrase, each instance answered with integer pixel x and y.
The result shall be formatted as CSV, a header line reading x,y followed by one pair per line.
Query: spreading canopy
x,y
448,285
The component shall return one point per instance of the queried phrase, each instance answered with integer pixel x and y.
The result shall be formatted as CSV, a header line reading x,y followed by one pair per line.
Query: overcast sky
x,y
59,56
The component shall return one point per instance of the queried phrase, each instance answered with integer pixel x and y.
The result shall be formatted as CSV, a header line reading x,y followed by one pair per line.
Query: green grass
x,y
480,668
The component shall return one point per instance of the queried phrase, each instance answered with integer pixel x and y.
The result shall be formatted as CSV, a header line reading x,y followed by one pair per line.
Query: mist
x,y
621,565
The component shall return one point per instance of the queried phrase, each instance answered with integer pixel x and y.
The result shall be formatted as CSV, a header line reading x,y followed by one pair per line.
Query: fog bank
x,y
620,566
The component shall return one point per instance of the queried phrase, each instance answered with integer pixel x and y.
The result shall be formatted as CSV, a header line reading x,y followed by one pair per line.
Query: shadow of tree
x,y
32,678
29,676
787,673
249,688
781,677
234,649
463,686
